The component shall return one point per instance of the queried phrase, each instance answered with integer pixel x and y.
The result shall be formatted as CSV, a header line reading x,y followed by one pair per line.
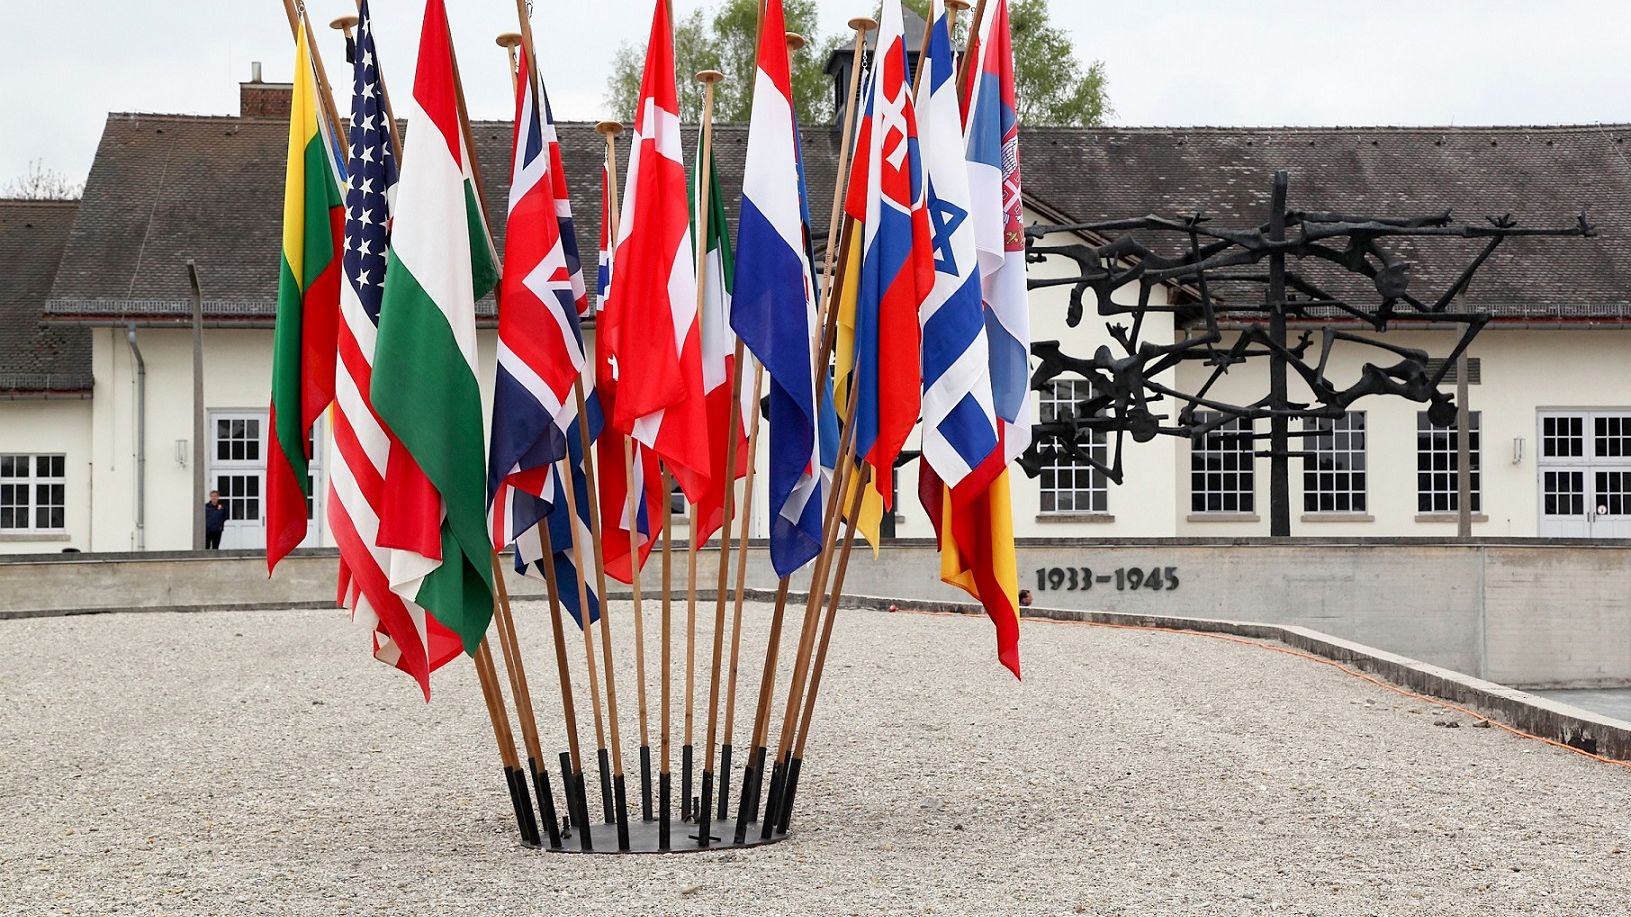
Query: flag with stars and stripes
x,y
404,635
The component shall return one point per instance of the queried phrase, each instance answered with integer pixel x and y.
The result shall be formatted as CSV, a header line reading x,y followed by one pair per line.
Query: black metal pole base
x,y
525,819
645,783
663,789
705,812
606,787
778,780
546,801
643,838
785,810
724,781
686,813
618,790
747,811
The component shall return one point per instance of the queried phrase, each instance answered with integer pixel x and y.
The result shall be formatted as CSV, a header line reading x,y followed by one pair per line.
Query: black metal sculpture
x,y
1330,252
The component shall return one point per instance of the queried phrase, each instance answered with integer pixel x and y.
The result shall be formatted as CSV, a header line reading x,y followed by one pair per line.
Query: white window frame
x,y
1222,468
32,482
1333,452
1438,488
1053,500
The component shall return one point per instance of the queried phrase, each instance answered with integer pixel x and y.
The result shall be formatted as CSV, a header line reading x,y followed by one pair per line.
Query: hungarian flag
x,y
886,196
718,359
655,339
776,311
962,479
424,386
308,310
616,523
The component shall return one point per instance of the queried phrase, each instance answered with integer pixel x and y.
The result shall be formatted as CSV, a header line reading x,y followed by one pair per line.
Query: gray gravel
x,y
259,762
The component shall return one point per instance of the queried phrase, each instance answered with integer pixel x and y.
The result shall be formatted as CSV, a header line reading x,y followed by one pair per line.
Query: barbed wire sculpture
x,y
1132,386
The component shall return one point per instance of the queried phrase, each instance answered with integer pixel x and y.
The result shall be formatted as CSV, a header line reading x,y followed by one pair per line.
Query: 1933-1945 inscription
x,y
1124,579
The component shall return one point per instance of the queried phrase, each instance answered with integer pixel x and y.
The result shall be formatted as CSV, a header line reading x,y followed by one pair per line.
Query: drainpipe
x,y
141,438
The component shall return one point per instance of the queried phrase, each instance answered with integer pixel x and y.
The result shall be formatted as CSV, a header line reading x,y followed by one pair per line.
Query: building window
x,y
1437,487
1334,464
1220,467
1069,484
1563,436
33,493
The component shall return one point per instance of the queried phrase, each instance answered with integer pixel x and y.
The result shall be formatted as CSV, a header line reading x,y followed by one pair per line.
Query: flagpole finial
x,y
609,128
343,24
863,24
709,76
795,41
957,6
508,40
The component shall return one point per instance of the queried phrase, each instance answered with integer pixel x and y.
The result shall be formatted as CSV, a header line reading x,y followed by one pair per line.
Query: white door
x,y
238,470
1584,470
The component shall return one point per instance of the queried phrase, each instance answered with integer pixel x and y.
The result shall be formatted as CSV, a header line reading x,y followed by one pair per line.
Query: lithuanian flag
x,y
308,311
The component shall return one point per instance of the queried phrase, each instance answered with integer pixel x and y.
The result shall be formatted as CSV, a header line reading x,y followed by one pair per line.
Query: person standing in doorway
x,y
215,520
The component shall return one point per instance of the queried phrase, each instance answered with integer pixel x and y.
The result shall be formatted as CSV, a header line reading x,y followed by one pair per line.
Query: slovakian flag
x,y
717,275
308,310
611,465
655,339
424,386
962,479
403,634
774,309
998,209
540,344
887,196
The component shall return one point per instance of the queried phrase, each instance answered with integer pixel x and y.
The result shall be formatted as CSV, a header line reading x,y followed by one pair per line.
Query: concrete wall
x,y
52,428
1526,614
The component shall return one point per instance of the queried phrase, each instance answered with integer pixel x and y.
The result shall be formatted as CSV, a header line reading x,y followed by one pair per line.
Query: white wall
x,y
53,427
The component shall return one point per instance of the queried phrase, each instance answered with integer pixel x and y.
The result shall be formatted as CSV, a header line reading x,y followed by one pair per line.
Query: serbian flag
x,y
887,196
962,479
616,523
992,138
540,345
719,359
775,306
425,383
655,339
308,310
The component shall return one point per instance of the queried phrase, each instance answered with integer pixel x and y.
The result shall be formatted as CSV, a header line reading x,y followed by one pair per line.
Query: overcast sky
x,y
1170,62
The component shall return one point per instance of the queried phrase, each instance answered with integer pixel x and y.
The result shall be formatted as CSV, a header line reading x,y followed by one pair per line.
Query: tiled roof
x,y
36,359
167,188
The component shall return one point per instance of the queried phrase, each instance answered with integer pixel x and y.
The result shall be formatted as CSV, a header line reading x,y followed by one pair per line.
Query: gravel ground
x,y
258,762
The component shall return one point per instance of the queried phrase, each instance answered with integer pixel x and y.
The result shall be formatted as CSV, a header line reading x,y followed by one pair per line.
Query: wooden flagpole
x,y
493,695
610,130
746,515
664,777
577,801
297,22
829,319
511,646
708,79
509,41
968,44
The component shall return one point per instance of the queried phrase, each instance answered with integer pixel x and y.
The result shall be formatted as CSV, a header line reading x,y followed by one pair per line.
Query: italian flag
x,y
424,387
308,311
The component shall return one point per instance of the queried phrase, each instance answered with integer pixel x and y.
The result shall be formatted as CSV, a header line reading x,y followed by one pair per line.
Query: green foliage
x,y
1052,84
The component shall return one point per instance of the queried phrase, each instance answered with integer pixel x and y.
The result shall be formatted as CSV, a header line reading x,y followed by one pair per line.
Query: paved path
x,y
260,763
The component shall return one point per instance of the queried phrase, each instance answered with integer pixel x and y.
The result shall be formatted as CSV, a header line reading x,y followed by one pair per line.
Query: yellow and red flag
x,y
308,310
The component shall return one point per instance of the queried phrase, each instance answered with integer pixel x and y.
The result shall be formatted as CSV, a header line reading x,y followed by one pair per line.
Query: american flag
x,y
404,635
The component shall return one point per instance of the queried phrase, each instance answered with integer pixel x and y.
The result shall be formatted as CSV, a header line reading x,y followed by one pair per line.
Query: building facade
x,y
97,389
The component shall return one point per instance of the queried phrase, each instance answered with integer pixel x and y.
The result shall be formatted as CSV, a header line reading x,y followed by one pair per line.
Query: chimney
x,y
841,61
260,99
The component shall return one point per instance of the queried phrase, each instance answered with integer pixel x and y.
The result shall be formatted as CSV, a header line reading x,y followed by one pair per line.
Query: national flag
x,y
717,275
775,307
424,385
962,479
308,311
887,196
992,138
535,515
540,345
655,337
404,635
610,459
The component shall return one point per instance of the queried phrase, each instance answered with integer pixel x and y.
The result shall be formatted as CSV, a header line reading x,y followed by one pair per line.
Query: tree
x,y
42,184
727,41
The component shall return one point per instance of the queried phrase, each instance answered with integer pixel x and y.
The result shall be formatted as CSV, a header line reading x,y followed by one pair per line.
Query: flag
x,y
655,338
886,196
424,384
540,345
610,460
992,137
404,635
535,515
717,274
308,310
962,479
775,307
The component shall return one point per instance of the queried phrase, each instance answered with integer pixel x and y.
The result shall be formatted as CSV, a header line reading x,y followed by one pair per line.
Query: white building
x,y
97,408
